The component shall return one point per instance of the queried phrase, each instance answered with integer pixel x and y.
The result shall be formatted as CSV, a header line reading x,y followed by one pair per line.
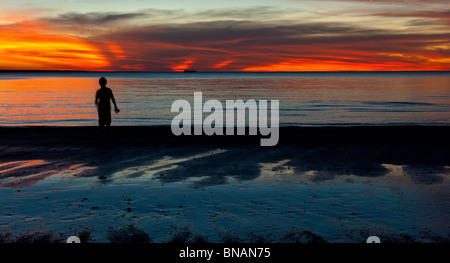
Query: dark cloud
x,y
226,32
93,18
420,18
255,12
174,16
248,33
251,43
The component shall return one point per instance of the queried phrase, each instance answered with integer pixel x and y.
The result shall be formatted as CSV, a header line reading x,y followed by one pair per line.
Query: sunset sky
x,y
231,35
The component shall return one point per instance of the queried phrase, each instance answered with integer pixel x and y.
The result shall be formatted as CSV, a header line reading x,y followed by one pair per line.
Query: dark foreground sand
x,y
32,154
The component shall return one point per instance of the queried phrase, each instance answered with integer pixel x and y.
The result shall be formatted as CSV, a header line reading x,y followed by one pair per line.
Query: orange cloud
x,y
312,65
29,46
223,64
118,52
405,63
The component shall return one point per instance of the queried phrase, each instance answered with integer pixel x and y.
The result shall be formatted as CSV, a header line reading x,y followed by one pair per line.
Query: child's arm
x,y
114,102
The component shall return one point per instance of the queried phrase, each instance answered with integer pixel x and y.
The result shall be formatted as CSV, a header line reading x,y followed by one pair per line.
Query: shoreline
x,y
290,133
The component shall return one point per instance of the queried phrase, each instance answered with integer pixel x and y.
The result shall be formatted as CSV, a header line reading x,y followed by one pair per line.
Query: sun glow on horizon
x,y
185,65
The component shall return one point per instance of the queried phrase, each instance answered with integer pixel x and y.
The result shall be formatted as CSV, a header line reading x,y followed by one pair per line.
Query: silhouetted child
x,y
103,96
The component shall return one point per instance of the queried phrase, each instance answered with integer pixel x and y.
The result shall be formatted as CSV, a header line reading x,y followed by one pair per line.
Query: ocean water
x,y
305,99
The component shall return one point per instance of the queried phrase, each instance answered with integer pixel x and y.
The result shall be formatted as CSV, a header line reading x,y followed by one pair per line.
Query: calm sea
x,y
306,99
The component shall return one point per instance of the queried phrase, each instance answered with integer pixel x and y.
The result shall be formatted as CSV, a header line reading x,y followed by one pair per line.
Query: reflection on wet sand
x,y
30,155
26,173
159,166
207,169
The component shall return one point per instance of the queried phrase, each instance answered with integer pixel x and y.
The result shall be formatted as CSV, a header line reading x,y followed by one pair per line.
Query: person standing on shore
x,y
103,98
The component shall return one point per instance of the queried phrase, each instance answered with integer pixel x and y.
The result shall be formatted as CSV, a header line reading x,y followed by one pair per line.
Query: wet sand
x,y
329,162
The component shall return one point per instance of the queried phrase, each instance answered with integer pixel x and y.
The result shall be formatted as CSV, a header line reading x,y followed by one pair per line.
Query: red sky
x,y
290,36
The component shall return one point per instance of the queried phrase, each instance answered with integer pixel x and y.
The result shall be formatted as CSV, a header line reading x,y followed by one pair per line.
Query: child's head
x,y
102,82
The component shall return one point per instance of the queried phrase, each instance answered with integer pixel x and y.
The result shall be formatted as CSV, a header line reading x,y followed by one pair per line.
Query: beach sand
x,y
334,184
